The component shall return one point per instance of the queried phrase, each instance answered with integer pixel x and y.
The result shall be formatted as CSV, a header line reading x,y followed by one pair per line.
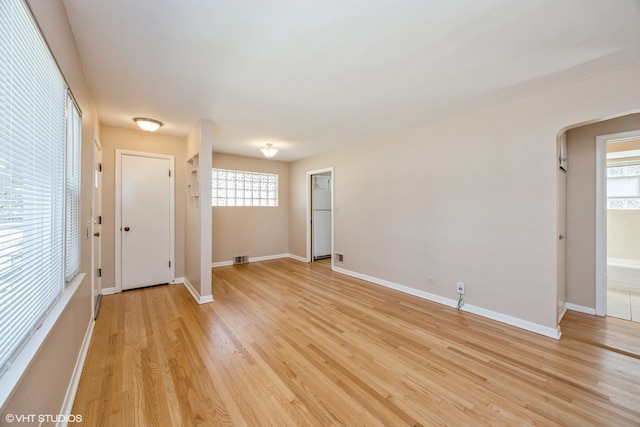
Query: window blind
x,y
72,200
33,98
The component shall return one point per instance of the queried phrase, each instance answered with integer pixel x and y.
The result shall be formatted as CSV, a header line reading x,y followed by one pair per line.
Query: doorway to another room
x,y
320,212
623,229
619,200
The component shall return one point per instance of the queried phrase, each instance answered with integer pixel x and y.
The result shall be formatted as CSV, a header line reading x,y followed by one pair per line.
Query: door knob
x,y
127,229
96,234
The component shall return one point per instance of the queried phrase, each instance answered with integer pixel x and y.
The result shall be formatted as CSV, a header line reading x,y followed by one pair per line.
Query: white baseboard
x,y
581,309
562,312
258,259
500,317
178,280
298,258
221,264
268,257
72,389
108,291
195,294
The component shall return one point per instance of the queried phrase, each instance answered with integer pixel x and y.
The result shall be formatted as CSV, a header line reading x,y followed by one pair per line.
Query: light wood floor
x,y
292,344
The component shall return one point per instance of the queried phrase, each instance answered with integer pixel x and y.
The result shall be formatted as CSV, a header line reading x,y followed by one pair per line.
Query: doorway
x,y
617,225
144,219
320,185
96,226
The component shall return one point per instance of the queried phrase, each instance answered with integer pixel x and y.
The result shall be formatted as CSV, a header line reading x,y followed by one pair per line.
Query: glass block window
x,y
623,187
241,188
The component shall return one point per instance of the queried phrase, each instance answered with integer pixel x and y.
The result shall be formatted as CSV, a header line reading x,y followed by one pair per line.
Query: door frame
x,y
309,183
118,204
601,213
96,253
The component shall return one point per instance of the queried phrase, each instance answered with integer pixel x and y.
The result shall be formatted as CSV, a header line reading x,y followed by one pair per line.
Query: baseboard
x,y
297,258
195,294
257,259
178,280
562,312
493,315
581,309
72,389
268,257
108,291
221,264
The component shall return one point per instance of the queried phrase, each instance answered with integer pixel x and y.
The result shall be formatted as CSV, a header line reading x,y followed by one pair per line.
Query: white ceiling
x,y
314,75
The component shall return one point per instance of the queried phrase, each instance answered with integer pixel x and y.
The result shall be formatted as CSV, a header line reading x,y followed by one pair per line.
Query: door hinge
x,y
99,167
99,219
169,173
99,272
169,264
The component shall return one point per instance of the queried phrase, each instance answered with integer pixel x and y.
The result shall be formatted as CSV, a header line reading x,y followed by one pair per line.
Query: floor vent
x,y
243,259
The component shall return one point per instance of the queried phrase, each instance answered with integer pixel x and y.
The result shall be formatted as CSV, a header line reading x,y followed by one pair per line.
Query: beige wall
x,y
623,234
114,138
471,198
253,231
43,386
581,205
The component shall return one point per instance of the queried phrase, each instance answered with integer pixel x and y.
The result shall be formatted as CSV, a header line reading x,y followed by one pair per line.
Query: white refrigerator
x,y
321,216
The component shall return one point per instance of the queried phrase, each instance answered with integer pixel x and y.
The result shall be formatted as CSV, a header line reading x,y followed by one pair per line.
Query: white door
x,y
97,225
146,232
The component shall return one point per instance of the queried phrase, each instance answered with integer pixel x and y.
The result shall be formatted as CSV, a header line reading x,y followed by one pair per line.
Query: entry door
x,y
97,225
146,232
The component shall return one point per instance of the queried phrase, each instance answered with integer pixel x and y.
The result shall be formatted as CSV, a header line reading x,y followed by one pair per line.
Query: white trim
x,y
178,281
258,259
562,312
308,186
12,377
221,264
493,315
623,154
69,398
581,309
268,257
199,299
118,221
601,214
297,258
108,291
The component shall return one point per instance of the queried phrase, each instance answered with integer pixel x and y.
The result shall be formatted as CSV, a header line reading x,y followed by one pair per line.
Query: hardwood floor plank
x,y
287,343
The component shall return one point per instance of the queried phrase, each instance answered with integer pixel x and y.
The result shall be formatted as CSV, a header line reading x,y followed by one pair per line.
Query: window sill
x,y
12,377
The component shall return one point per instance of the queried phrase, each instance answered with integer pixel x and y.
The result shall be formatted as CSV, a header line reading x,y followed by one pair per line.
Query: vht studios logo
x,y
43,418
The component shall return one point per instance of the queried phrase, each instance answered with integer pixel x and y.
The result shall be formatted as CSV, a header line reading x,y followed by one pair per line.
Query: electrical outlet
x,y
430,280
460,288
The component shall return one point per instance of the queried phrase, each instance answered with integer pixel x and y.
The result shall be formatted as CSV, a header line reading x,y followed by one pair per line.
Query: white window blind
x,y
72,232
33,100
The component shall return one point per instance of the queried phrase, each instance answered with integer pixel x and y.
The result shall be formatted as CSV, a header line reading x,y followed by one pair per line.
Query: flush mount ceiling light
x,y
150,125
269,151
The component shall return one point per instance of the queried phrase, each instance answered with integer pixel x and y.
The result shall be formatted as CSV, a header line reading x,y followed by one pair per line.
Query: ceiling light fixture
x,y
150,125
269,151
